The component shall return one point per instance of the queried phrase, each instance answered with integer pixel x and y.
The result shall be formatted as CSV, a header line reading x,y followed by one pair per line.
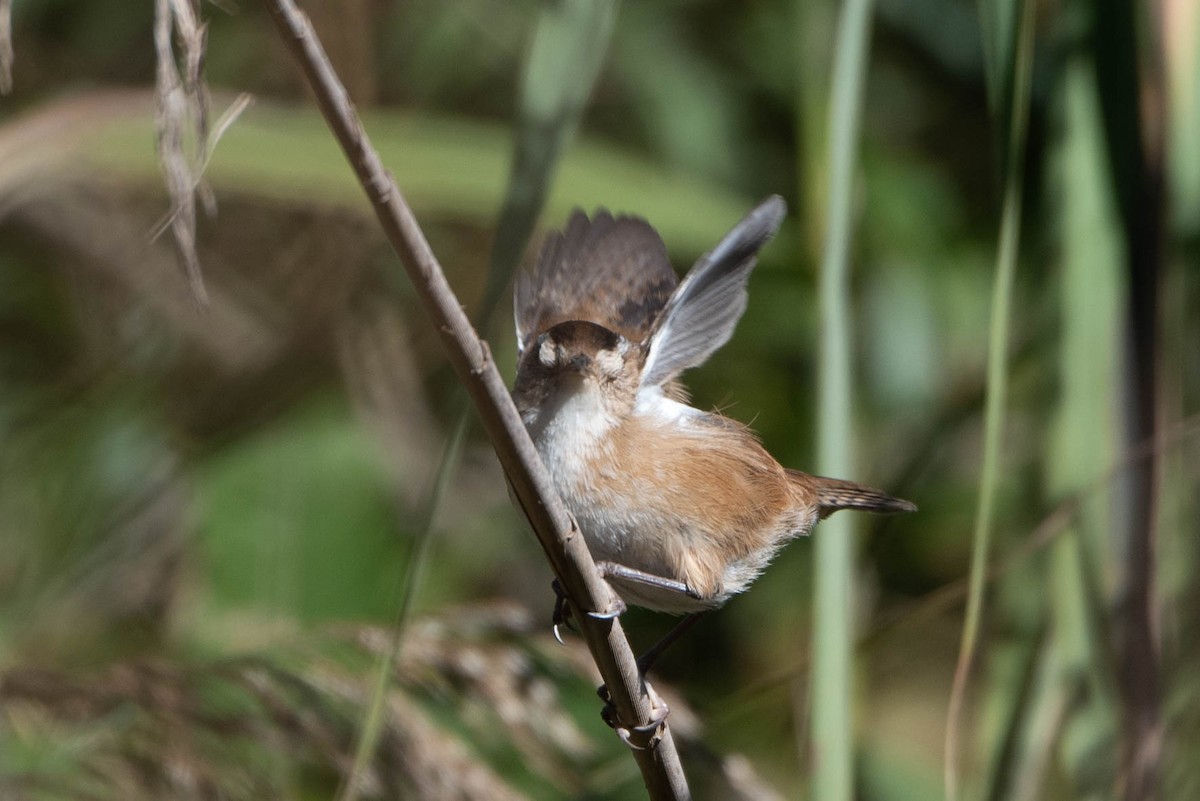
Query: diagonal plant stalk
x,y
471,360
997,384
557,82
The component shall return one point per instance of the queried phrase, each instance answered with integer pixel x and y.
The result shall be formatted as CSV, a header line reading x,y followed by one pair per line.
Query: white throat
x,y
568,428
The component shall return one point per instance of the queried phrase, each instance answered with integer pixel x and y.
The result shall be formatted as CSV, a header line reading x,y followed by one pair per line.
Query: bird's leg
x,y
659,708
609,570
647,660
618,571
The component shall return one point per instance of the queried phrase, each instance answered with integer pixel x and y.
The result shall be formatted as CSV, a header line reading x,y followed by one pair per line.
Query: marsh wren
x,y
681,508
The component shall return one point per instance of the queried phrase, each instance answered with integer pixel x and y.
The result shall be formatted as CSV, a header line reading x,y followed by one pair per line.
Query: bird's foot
x,y
562,610
616,608
658,717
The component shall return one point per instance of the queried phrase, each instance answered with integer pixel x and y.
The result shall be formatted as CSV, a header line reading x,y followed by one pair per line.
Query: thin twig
x,y
471,359
368,738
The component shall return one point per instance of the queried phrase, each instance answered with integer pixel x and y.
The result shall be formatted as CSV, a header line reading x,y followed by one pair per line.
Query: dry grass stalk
x,y
182,105
184,138
475,687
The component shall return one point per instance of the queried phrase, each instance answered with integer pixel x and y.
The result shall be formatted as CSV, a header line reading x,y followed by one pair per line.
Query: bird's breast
x,y
675,495
566,430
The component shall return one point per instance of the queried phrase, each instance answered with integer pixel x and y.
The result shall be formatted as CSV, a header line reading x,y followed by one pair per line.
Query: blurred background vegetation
x,y
209,518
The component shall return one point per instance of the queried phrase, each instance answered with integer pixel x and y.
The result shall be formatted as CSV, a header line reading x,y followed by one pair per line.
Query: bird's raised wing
x,y
703,311
612,271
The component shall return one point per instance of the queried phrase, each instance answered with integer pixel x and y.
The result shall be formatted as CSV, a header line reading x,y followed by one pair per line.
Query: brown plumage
x,y
683,508
612,271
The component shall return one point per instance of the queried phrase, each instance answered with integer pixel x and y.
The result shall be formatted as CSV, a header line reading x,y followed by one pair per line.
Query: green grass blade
x,y
1020,672
833,614
996,19
1084,444
1056,695
563,64
1069,722
372,726
997,386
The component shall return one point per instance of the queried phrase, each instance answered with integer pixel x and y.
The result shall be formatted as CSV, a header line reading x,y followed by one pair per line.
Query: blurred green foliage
x,y
206,517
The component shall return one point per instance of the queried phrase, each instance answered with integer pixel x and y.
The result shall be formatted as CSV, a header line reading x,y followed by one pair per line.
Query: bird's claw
x,y
616,608
562,611
658,718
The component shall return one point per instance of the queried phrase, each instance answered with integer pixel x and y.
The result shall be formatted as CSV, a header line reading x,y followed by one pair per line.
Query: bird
x,y
681,508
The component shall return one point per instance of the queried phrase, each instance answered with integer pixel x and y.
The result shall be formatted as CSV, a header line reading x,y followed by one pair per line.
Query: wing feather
x,y
612,271
702,313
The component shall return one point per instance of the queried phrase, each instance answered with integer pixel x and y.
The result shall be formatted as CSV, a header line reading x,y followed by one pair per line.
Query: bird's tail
x,y
835,493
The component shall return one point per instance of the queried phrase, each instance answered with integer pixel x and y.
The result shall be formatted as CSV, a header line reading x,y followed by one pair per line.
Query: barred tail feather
x,y
834,494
